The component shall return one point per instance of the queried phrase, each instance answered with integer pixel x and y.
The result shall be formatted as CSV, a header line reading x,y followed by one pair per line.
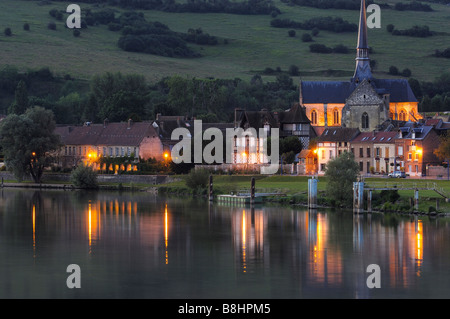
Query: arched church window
x,y
365,120
314,117
336,116
402,116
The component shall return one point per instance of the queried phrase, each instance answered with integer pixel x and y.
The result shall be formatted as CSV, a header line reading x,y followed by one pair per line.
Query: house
x,y
375,151
88,142
307,162
292,122
332,143
415,145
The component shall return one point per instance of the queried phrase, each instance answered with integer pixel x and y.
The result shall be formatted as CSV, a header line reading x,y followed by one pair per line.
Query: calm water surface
x,y
137,245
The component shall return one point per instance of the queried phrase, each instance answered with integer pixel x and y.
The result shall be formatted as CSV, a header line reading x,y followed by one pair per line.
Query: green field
x,y
253,44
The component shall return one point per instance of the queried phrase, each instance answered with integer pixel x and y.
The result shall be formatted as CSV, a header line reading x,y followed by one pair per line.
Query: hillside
x,y
252,44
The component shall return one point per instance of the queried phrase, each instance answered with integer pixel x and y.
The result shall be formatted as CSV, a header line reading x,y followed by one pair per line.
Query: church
x,y
363,102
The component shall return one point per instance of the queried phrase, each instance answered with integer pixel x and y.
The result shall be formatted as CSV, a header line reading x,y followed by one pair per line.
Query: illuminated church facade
x,y
363,102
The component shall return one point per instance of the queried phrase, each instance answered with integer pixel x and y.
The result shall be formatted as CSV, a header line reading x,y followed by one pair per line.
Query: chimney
x,y
130,122
178,121
105,122
158,116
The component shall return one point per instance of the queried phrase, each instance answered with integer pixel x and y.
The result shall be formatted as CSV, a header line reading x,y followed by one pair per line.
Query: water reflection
x,y
126,241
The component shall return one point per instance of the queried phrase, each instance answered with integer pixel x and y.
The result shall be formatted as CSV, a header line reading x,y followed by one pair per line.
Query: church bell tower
x,y
362,70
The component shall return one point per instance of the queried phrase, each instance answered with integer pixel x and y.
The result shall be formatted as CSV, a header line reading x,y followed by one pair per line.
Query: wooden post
x,y
252,190
211,188
437,204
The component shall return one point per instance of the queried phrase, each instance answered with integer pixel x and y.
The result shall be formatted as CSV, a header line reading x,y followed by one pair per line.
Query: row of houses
x,y
407,147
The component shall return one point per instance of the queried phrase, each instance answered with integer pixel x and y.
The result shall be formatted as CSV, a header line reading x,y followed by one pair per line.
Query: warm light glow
x,y
90,227
315,151
244,154
166,155
166,232
419,151
244,225
34,230
419,246
34,153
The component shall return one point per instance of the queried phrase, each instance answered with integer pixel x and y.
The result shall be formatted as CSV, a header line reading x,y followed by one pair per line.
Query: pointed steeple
x,y
362,70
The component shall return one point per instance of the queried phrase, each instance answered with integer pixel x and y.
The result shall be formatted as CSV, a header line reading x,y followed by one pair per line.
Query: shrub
x,y
315,32
197,179
406,73
390,28
293,70
84,177
8,32
26,27
76,32
51,26
320,48
291,33
393,70
306,37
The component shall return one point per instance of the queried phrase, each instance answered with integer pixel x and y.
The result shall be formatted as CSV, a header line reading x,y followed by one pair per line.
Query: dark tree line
x,y
246,7
119,97
333,24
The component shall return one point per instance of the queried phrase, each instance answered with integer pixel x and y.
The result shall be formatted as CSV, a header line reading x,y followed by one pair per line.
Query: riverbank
x,y
289,190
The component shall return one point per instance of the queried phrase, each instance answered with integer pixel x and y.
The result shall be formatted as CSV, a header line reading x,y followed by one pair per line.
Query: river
x,y
139,245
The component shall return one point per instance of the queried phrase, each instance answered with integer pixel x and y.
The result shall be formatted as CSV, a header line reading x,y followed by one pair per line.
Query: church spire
x,y
362,70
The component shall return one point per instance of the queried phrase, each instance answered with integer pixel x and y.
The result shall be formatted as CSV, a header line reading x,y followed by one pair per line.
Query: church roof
x,y
320,92
338,134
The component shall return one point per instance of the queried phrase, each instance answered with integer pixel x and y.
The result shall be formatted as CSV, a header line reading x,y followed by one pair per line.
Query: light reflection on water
x,y
142,246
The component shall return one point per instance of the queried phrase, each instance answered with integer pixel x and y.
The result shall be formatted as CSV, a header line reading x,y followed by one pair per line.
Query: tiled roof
x,y
338,134
338,91
109,134
375,137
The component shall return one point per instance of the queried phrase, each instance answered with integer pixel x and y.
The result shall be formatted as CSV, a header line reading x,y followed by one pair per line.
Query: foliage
x,y
443,151
341,172
412,6
443,54
332,24
197,179
7,32
27,141
21,102
84,177
415,31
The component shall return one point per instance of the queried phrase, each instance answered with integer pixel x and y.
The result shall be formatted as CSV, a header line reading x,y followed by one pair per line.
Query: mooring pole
x,y
416,199
312,193
252,192
211,188
369,201
358,196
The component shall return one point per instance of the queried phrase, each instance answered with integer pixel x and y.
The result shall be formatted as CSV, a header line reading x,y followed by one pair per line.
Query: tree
x,y
20,103
26,26
341,172
27,141
291,33
393,70
443,151
84,177
306,37
7,32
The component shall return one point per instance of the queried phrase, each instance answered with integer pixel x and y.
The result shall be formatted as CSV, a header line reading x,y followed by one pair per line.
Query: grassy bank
x,y
294,189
